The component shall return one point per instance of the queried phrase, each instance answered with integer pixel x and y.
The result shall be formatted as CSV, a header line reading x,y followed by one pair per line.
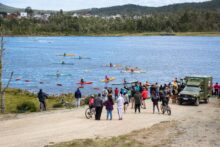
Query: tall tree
x,y
29,11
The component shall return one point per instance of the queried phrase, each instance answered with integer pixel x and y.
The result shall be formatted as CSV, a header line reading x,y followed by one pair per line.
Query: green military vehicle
x,y
197,88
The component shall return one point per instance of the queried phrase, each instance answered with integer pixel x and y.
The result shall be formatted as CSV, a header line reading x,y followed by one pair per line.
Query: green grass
x,y
14,97
121,141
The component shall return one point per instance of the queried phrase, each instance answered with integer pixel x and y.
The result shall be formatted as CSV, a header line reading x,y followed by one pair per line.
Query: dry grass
x,y
158,135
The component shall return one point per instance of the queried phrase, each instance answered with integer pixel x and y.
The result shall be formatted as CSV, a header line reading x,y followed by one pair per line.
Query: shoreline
x,y
205,34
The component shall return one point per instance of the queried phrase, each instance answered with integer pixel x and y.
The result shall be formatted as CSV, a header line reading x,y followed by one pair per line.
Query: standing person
x,y
42,96
105,94
126,101
109,107
132,96
98,107
155,100
120,104
116,93
144,96
216,89
78,96
137,99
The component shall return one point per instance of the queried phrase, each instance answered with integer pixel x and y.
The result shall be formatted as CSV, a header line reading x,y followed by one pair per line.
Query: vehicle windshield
x,y
193,89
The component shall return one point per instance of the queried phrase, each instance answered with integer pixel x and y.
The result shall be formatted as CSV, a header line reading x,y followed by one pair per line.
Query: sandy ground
x,y
187,126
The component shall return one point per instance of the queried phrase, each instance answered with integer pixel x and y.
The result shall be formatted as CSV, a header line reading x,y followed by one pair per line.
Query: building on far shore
x,y
23,15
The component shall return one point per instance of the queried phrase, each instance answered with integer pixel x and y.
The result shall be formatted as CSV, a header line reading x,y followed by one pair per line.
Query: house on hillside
x,y
42,16
75,15
23,15
12,15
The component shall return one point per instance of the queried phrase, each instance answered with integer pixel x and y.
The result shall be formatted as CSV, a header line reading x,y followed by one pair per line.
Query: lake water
x,y
162,58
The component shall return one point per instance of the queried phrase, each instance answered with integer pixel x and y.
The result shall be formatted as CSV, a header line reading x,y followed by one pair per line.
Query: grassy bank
x,y
158,135
125,34
15,97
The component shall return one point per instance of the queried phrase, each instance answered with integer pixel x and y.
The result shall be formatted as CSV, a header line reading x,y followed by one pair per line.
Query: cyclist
x,y
91,102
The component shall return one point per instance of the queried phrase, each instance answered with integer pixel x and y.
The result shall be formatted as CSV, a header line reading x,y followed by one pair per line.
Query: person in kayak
x,y
58,73
62,62
106,78
82,81
110,65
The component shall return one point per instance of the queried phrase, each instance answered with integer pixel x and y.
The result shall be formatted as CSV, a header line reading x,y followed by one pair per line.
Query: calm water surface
x,y
162,58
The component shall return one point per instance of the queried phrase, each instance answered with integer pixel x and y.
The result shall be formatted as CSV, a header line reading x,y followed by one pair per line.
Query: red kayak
x,y
83,83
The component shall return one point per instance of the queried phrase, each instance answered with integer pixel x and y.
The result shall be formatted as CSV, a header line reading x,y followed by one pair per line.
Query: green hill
x,y
131,10
4,8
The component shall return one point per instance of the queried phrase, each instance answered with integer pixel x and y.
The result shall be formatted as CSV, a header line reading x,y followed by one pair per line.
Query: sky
x,y
84,4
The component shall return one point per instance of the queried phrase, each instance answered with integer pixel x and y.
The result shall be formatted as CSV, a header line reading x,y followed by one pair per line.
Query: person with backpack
x,y
42,97
109,107
98,104
78,96
155,99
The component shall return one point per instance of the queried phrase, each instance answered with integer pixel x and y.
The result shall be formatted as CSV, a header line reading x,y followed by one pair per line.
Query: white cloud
x,y
82,4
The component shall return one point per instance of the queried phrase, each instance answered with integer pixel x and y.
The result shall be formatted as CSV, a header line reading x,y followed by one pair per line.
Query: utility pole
x,y
1,94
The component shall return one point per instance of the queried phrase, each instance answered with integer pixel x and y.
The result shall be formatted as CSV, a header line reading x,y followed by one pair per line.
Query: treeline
x,y
61,24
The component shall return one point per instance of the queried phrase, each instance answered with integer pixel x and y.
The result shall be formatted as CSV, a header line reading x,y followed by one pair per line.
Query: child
x,y
126,101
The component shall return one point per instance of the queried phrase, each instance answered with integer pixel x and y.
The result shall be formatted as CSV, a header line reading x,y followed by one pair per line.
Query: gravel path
x,y
39,129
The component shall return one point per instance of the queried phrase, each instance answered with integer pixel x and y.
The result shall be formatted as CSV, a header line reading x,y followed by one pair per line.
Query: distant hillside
x,y
4,8
131,10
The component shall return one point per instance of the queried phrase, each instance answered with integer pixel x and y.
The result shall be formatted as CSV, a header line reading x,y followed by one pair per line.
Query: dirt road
x,y
195,124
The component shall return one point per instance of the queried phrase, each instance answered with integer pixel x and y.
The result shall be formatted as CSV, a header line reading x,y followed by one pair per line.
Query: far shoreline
x,y
205,34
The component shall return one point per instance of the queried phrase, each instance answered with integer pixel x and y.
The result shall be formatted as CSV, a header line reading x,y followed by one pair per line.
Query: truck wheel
x,y
197,102
179,102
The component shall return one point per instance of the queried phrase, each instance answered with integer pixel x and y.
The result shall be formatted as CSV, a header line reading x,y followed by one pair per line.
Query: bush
x,y
26,107
58,105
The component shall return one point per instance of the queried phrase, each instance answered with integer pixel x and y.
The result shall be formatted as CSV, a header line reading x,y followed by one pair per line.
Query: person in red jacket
x,y
116,93
216,89
144,96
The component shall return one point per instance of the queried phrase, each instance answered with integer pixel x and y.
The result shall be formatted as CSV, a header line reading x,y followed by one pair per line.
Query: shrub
x,y
26,107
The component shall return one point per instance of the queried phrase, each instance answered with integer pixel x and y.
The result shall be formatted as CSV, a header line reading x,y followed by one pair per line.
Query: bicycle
x,y
89,113
166,108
